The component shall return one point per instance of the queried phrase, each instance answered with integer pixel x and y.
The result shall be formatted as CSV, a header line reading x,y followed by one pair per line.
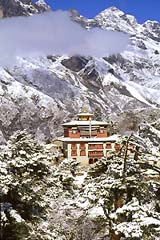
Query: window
x,y
82,153
101,130
99,146
91,146
74,130
108,146
74,153
74,146
82,146
90,161
96,154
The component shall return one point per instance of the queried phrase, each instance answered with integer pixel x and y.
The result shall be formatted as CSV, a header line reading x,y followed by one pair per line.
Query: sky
x,y
142,9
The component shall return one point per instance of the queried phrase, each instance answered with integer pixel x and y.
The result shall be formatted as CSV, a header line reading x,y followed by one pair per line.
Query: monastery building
x,y
87,140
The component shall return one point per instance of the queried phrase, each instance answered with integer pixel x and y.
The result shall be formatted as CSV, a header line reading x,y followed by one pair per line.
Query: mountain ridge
x,y
13,8
60,86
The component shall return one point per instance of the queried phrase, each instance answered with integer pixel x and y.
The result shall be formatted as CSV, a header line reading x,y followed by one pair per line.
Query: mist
x,y
55,33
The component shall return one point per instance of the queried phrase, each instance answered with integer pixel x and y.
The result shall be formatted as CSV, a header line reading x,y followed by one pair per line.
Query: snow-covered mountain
x,y
39,93
10,8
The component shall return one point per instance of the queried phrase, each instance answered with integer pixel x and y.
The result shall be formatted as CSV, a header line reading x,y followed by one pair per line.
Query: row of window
x,y
92,146
83,153
75,130
74,146
95,154
91,160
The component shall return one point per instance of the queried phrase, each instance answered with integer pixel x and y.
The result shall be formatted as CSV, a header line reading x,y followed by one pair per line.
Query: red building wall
x,y
73,135
66,132
96,154
73,149
69,133
102,135
95,146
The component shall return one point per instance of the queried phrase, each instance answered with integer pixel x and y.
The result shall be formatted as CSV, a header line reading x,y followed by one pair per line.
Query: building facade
x,y
87,140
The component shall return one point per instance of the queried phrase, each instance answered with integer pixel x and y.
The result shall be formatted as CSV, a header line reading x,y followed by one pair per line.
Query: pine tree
x,y
128,200
24,170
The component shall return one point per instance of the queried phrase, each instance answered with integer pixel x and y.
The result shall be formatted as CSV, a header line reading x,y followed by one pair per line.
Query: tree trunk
x,y
125,156
114,236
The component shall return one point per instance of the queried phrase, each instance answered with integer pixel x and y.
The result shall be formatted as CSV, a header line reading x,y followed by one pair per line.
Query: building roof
x,y
84,114
51,145
85,123
112,138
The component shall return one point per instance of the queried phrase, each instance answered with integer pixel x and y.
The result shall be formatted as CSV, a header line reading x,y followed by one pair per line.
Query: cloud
x,y
54,33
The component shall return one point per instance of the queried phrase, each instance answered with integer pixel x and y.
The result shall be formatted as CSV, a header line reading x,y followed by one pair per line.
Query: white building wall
x,y
113,146
104,150
69,150
78,150
82,159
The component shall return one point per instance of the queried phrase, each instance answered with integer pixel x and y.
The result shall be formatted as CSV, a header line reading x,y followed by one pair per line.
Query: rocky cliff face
x,y
39,93
10,8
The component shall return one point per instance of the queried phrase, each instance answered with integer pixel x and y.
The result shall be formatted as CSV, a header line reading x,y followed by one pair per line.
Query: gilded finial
x,y
84,110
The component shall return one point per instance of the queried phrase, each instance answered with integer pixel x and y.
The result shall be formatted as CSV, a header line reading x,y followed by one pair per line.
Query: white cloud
x,y
54,33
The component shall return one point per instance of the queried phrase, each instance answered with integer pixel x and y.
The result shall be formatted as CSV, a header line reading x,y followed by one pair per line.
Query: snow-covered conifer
x,y
24,172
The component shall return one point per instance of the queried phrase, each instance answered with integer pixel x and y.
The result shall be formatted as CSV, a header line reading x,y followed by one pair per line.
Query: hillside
x,y
40,93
